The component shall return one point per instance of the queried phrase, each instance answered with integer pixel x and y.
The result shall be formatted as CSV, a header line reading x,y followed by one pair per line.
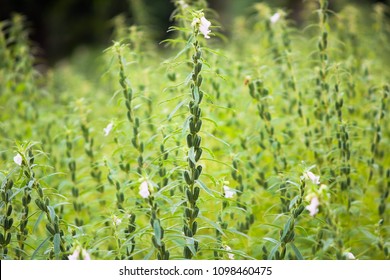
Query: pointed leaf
x,y
178,106
204,187
157,231
296,251
56,242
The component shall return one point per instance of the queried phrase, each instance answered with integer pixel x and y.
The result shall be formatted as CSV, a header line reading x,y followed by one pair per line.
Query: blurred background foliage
x,y
61,26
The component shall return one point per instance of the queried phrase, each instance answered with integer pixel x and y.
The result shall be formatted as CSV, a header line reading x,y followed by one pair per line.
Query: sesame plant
x,y
260,138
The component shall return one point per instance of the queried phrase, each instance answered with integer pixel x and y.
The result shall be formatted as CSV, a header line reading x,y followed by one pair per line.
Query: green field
x,y
268,140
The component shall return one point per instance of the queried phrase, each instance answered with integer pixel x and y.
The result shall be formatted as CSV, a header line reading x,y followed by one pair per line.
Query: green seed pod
x,y
9,184
199,168
196,193
5,223
190,196
56,228
192,127
140,160
198,154
298,211
50,228
195,213
189,141
40,192
197,141
187,231
198,68
187,253
191,164
194,227
2,240
198,54
187,213
196,245
154,241
196,174
199,81
198,126
381,209
8,239
129,116
200,96
9,210
267,116
187,178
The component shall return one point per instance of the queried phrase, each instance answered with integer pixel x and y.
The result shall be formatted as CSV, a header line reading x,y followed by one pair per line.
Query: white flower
x,y
315,179
183,4
313,207
275,17
116,221
144,189
349,256
195,22
77,256
227,248
204,27
229,193
18,159
108,128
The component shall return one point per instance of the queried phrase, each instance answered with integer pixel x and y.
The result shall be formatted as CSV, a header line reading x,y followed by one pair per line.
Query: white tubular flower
x,y
275,17
116,221
108,128
313,207
79,254
349,256
229,193
204,27
183,4
75,255
144,189
18,159
314,178
230,255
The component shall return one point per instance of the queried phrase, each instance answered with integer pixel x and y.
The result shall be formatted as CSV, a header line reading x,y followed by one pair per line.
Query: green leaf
x,y
176,108
271,240
157,231
191,245
296,251
218,139
204,187
196,95
273,251
293,201
51,212
56,242
39,247
286,228
191,155
213,224
36,224
187,47
185,125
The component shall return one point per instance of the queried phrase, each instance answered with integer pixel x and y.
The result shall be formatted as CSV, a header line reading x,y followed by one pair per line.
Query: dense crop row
x,y
272,144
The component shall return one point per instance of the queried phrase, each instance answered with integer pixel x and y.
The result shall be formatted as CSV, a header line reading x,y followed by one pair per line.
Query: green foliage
x,y
271,145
